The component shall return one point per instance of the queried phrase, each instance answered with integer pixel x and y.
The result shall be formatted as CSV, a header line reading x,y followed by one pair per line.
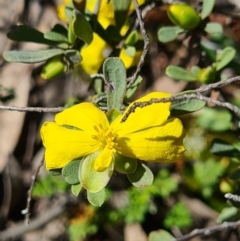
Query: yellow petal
x,y
103,160
160,144
63,144
142,118
84,116
94,54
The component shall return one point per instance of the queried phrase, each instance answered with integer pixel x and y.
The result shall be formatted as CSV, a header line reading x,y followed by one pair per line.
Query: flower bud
x,y
53,68
183,15
207,75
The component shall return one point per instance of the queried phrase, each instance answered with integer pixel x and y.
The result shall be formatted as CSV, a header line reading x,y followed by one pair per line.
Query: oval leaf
x,y
76,189
96,199
168,34
207,8
92,180
70,172
160,235
31,56
57,34
179,73
225,57
181,107
142,177
115,74
222,148
213,28
81,27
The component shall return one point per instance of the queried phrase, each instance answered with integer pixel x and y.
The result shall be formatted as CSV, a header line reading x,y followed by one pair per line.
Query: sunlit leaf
x,y
225,57
92,180
207,8
213,28
98,198
142,177
160,235
179,73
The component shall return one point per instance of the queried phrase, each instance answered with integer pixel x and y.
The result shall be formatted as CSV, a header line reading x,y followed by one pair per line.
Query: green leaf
x,y
115,74
92,180
207,8
81,27
55,172
179,73
31,56
132,89
130,50
24,33
235,175
160,235
57,34
215,120
222,148
142,177
96,199
76,189
132,38
228,214
6,94
195,70
73,56
125,165
168,34
225,57
213,28
112,115
182,107
120,11
178,216
71,172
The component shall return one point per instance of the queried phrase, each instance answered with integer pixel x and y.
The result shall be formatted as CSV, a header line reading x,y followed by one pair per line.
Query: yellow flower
x,y
148,134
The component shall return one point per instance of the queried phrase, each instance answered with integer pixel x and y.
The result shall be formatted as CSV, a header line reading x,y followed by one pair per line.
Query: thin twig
x,y
217,85
208,231
145,47
32,109
143,104
19,229
26,211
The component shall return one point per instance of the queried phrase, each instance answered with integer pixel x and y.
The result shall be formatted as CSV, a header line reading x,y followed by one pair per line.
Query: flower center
x,y
105,137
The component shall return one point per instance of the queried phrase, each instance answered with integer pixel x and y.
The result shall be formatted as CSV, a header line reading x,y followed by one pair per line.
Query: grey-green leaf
x,y
81,27
225,57
115,74
207,8
214,28
57,34
142,177
73,56
179,73
71,172
181,107
31,56
96,199
160,235
168,34
132,89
